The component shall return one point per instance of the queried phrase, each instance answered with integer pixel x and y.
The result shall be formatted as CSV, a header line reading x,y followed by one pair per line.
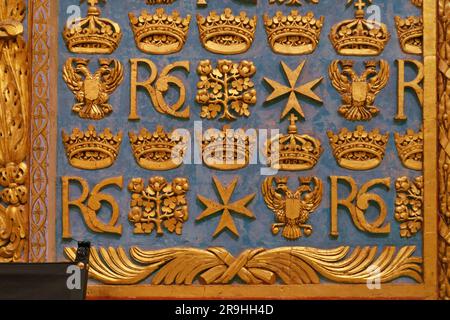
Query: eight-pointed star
x,y
280,90
239,207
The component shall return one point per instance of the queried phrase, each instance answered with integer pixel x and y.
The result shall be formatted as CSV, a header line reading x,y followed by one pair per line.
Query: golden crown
x,y
160,32
410,34
359,37
226,149
158,150
92,35
90,150
293,151
358,150
410,149
293,34
226,33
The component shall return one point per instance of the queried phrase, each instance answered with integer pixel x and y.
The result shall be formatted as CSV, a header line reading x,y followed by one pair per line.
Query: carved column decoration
x,y
13,132
444,141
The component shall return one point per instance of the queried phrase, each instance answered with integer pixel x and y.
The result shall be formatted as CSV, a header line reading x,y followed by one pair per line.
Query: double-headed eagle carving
x,y
92,90
358,92
292,209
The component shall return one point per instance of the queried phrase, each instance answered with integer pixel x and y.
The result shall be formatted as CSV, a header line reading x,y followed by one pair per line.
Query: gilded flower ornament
x,y
226,90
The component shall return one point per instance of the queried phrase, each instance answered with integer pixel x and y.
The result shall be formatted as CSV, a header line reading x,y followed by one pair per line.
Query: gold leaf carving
x,y
359,36
160,203
160,32
410,34
358,92
92,34
92,90
409,205
359,149
292,208
226,33
293,34
444,150
14,141
90,150
289,265
226,90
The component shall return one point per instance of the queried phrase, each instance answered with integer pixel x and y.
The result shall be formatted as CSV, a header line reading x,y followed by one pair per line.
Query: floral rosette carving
x,y
12,179
158,204
409,205
226,90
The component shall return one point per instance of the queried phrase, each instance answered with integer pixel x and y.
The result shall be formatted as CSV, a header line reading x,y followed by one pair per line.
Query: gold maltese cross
x,y
213,207
280,90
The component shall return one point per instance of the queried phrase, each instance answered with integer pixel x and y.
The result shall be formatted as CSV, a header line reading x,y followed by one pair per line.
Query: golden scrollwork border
x,y
42,160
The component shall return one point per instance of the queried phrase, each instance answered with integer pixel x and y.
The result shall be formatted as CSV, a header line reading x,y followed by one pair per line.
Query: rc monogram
x,y
355,175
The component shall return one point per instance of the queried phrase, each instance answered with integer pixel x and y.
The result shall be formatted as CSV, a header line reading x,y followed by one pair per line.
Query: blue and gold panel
x,y
230,143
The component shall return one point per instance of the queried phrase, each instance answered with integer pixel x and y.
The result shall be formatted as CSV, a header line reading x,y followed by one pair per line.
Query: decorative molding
x,y
14,132
40,129
214,266
443,62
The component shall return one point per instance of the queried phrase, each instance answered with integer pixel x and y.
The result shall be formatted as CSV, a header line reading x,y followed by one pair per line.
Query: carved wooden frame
x,y
41,209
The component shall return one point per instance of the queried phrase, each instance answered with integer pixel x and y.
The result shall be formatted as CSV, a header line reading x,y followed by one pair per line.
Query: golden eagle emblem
x,y
92,90
292,209
358,92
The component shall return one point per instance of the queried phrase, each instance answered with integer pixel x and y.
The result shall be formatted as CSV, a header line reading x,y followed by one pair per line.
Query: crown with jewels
x,y
226,149
293,34
93,34
226,33
358,150
410,148
293,151
158,150
410,34
160,32
359,36
90,150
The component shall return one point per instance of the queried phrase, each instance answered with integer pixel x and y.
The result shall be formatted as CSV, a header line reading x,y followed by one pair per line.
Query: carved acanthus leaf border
x,y
14,140
288,265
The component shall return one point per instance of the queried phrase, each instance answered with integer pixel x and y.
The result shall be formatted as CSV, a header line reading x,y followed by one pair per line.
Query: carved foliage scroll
x,y
177,266
13,132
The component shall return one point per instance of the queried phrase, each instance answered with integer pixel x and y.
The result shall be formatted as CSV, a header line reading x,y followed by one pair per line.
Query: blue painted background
x,y
319,118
